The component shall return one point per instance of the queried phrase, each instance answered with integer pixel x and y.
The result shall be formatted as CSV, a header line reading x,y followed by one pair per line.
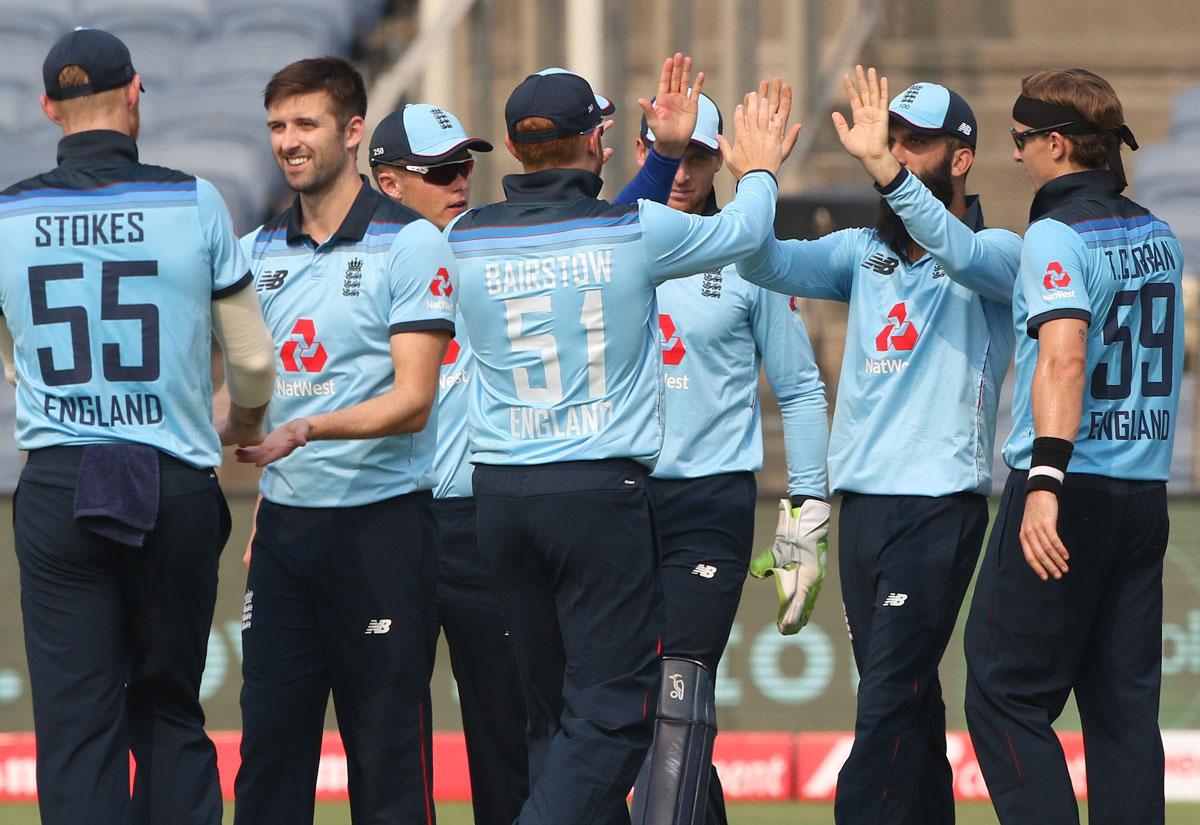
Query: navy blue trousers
x,y
905,563
489,687
116,638
706,531
339,599
1097,631
572,550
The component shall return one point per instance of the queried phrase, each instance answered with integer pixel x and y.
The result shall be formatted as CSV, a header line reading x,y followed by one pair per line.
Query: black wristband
x,y
1048,466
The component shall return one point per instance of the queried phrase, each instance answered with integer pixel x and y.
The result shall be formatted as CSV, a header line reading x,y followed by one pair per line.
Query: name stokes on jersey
x,y
89,229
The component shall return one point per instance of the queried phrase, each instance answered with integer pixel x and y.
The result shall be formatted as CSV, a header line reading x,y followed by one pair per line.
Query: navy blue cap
x,y
102,55
421,133
565,99
930,109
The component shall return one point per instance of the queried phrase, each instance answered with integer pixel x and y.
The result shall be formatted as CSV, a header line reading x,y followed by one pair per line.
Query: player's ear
x,y
642,152
51,110
356,128
389,183
961,161
512,147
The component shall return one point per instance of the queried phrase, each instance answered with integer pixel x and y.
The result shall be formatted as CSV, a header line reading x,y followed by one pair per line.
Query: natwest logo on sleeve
x,y
440,285
1056,277
672,345
899,334
302,352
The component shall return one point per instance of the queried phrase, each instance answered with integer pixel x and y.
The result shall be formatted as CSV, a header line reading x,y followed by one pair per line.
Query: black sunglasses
x,y
1019,138
446,173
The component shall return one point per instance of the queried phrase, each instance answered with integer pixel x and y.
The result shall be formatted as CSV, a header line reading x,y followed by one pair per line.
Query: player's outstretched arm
x,y
416,359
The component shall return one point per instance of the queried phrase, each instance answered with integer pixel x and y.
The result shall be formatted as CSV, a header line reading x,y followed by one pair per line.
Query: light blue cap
x,y
421,133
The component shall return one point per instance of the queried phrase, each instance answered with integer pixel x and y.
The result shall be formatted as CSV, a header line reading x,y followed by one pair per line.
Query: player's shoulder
x,y
580,213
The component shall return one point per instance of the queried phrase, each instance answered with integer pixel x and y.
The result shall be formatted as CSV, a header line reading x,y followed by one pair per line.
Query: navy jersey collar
x,y
552,185
95,147
1094,183
973,217
354,225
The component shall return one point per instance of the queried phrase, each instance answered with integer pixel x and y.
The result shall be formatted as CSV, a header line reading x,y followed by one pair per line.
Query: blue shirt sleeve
x,y
985,262
791,368
230,272
676,244
1052,276
424,279
822,268
653,180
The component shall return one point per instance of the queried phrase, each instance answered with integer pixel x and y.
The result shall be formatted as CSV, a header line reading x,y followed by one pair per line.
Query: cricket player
x,y
927,344
716,331
557,295
421,156
116,277
358,293
1069,596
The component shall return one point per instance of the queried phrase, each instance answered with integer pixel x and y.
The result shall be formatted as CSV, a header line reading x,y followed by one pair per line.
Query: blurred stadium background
x,y
205,62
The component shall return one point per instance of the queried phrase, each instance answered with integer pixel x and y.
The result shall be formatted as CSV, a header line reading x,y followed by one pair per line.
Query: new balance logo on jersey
x,y
673,349
302,352
711,285
704,571
895,600
881,263
899,334
377,627
270,280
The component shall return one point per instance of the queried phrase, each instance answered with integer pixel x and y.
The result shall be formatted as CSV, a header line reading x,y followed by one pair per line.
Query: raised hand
x,y
760,132
867,138
672,115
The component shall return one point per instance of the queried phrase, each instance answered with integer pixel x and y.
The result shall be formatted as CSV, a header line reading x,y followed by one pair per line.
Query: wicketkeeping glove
x,y
797,558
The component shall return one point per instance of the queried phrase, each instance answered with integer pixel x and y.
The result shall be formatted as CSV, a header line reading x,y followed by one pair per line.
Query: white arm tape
x,y
242,334
7,354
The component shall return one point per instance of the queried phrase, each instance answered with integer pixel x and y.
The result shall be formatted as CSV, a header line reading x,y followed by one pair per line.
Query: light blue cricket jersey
x,y
715,330
109,271
332,310
653,181
557,295
927,344
1094,255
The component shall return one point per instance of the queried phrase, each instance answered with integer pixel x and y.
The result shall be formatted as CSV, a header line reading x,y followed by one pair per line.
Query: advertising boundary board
x,y
753,766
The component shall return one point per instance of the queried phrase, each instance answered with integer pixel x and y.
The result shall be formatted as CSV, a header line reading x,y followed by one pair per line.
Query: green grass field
x,y
760,814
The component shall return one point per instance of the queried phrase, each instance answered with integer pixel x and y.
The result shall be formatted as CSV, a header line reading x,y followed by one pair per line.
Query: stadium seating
x,y
1167,170
204,64
42,21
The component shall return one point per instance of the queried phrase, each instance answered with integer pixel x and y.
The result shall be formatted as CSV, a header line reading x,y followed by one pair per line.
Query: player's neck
x,y
323,212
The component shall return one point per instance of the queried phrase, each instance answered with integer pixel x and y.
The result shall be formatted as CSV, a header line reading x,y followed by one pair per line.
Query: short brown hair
x,y
1093,97
332,75
550,154
73,111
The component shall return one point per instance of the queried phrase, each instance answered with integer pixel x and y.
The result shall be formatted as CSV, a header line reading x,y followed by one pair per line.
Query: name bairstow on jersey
x,y
521,275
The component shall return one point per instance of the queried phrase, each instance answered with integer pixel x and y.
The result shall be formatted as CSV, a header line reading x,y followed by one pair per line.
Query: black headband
x,y
1041,114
